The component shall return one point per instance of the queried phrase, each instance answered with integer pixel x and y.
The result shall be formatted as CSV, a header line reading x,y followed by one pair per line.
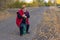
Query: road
x,y
9,30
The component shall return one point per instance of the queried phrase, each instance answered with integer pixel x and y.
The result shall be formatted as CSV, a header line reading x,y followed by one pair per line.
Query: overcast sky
x,y
32,0
46,0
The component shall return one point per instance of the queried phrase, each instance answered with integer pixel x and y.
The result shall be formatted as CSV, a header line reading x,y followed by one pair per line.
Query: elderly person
x,y
23,17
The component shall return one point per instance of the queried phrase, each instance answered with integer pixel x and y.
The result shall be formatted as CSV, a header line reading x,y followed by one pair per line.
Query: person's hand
x,y
24,16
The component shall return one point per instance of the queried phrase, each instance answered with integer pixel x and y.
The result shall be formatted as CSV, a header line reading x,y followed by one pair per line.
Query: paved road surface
x,y
9,30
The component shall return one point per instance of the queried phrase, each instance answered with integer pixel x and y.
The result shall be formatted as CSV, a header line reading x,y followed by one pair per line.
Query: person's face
x,y
24,6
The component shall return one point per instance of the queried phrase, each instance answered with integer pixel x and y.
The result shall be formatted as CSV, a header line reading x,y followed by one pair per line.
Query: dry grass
x,y
49,28
4,15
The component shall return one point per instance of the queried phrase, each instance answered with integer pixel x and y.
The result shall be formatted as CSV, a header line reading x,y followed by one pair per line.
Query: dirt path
x,y
9,30
45,21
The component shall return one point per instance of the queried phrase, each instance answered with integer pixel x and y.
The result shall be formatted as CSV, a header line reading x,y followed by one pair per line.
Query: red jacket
x,y
19,21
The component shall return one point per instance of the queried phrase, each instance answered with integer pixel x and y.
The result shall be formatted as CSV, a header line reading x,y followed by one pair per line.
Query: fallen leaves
x,y
49,28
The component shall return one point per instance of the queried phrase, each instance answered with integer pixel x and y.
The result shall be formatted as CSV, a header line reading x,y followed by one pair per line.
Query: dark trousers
x,y
21,29
27,28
